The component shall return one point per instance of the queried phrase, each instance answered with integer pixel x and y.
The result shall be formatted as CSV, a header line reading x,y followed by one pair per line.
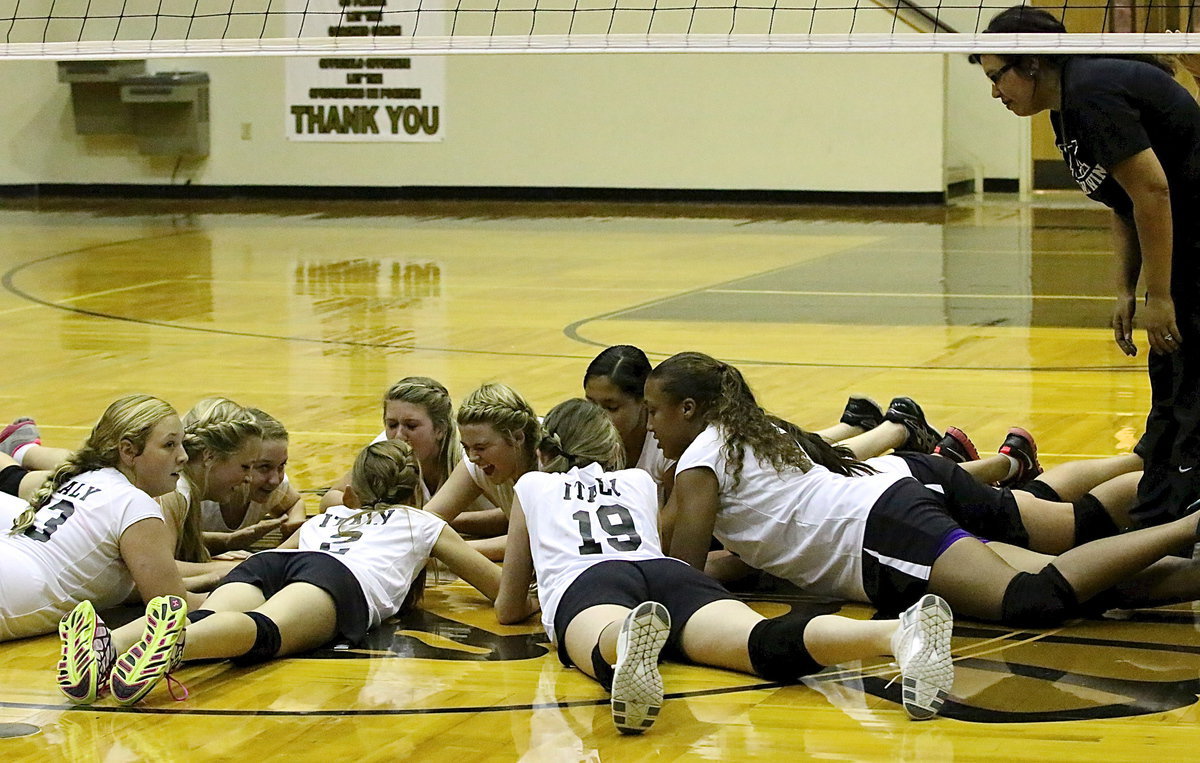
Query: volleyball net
x,y
99,29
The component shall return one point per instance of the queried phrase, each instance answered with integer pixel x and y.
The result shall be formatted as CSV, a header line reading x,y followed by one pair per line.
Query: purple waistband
x,y
952,537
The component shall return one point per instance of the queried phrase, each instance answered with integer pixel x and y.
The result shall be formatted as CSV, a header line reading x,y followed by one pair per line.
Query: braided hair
x,y
578,433
215,426
433,397
503,409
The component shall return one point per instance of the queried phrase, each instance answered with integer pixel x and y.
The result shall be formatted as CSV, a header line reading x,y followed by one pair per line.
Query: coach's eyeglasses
x,y
997,75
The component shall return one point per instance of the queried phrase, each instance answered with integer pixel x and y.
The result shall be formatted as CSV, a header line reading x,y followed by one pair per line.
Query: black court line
x,y
377,712
572,332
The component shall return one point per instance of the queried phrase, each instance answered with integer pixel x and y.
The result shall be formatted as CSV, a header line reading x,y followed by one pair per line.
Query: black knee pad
x,y
266,643
1043,600
777,650
196,616
604,672
1092,520
10,479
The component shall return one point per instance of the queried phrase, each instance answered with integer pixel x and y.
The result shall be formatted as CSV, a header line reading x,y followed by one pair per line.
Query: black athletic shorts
x,y
982,510
1039,489
10,479
272,571
681,588
907,530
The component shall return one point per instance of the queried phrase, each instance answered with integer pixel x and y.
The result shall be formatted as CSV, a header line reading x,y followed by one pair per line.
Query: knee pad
x,y
196,616
1041,600
777,650
1092,520
10,479
266,642
604,672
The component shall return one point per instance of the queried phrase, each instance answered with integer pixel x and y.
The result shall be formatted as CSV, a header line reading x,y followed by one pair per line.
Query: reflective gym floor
x,y
990,311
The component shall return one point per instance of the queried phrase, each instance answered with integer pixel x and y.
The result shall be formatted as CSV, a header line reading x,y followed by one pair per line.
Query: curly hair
x,y
723,398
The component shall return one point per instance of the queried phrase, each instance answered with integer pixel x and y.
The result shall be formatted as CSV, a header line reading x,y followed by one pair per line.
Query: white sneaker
x,y
637,691
922,648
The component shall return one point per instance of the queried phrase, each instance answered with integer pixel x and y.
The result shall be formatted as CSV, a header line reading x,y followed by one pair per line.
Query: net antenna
x,y
116,29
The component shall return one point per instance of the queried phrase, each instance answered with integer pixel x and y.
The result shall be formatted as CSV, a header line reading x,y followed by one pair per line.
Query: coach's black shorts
x,y
983,510
681,588
272,571
907,530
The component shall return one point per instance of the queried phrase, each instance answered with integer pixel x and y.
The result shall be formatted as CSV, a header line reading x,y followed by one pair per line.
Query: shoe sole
x,y
927,681
138,670
637,693
78,672
867,422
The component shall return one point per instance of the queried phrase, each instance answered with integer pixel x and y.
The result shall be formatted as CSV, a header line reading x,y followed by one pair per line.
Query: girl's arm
x,y
220,542
467,563
146,550
295,513
1143,178
483,522
696,502
456,496
514,603
291,541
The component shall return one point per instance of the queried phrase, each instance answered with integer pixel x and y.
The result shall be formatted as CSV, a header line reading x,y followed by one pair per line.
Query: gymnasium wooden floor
x,y
990,312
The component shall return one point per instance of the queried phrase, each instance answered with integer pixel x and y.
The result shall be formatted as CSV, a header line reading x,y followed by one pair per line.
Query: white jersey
x,y
804,527
11,507
71,553
584,517
212,519
384,550
653,461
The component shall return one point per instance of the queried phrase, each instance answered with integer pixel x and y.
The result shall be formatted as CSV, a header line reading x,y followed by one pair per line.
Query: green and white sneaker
x,y
637,690
154,656
87,655
922,648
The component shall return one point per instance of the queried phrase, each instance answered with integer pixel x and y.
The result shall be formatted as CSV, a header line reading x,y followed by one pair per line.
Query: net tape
x,y
115,29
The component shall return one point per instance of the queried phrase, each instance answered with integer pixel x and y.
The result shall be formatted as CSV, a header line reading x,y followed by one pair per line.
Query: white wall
x,y
729,121
788,122
980,132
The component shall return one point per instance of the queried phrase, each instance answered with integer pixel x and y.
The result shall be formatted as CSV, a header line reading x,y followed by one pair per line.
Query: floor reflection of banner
x,y
365,98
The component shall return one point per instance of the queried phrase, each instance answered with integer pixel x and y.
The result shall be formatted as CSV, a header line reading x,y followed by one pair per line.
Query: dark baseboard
x,y
1001,185
474,193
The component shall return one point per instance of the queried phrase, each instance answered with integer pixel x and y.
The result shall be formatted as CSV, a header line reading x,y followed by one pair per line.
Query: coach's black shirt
x,y
1114,108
